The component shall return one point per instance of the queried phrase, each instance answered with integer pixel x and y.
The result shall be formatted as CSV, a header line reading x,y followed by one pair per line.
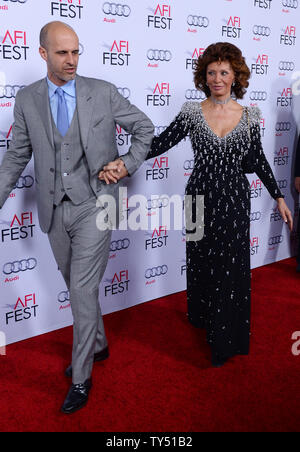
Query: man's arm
x,y
17,156
135,122
297,167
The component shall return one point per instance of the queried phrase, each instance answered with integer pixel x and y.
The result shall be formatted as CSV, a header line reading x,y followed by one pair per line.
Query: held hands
x,y
285,213
113,172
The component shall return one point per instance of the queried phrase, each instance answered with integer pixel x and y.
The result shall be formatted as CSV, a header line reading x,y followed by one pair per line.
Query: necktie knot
x,y
60,92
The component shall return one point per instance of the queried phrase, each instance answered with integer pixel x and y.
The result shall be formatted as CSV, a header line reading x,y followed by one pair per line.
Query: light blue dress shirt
x,y
70,96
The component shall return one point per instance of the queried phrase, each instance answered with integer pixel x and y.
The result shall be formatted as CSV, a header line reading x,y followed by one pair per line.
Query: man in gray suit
x,y
68,123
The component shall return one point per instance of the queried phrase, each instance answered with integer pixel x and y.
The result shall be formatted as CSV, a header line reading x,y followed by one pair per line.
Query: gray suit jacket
x,y
100,107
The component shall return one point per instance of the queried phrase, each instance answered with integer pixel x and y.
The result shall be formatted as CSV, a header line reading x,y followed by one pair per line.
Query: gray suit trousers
x,y
81,251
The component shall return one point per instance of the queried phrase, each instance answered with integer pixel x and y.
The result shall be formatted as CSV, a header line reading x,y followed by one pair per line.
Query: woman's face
x,y
219,78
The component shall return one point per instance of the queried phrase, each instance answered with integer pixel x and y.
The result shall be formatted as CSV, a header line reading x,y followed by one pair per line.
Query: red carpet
x,y
159,376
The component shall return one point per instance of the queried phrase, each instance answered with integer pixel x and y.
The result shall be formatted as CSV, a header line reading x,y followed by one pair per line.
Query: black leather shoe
x,y
100,356
77,397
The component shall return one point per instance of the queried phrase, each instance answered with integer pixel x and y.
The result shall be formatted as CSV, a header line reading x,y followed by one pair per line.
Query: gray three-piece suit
x,y
70,166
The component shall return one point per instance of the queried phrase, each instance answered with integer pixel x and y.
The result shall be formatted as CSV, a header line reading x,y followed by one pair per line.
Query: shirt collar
x,y
69,88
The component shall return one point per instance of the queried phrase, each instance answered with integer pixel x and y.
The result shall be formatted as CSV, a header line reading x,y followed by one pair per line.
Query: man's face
x,y
61,55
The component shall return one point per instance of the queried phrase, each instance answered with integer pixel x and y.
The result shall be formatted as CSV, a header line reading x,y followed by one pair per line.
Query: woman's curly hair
x,y
223,51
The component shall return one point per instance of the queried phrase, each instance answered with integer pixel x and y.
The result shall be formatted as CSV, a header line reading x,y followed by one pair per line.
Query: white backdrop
x,y
147,49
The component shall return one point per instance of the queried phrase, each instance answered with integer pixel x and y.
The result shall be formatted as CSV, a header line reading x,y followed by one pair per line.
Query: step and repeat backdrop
x,y
148,49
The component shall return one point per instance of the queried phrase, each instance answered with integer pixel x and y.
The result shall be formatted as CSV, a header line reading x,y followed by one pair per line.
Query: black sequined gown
x,y
218,266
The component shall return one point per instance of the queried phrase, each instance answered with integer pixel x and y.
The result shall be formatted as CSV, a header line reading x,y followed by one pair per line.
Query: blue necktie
x,y
62,113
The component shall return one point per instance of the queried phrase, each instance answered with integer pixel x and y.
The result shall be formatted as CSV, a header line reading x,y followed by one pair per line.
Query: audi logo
x,y
118,245
19,266
159,55
282,183
261,30
24,182
116,9
283,126
9,91
158,203
16,1
156,271
258,95
194,94
275,240
255,216
188,165
290,3
198,21
125,92
63,296
286,65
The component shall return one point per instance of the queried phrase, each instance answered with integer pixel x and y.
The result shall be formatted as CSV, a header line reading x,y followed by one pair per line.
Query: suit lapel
x,y
42,101
85,105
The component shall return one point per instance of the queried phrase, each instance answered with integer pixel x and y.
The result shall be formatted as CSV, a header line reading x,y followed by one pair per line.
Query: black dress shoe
x,y
100,356
77,397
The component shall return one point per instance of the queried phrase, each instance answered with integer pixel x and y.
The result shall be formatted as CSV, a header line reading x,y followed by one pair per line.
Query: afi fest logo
x,y
261,65
281,157
24,309
285,98
5,139
190,63
256,188
158,238
263,4
67,9
160,17
160,96
160,169
118,54
21,227
254,245
288,38
13,45
118,284
232,29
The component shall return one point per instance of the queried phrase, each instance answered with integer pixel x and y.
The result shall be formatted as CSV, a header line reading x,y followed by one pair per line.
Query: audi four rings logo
x,y
63,296
24,182
283,126
118,245
16,1
116,9
258,95
290,3
275,240
286,66
125,92
194,94
159,55
9,91
19,266
156,271
260,30
255,216
157,203
198,21
188,165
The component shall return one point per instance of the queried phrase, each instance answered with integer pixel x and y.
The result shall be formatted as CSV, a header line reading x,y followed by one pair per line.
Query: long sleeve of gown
x,y
174,133
261,165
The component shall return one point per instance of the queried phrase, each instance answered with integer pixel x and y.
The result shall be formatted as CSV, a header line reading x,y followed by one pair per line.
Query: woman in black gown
x,y
226,142
222,133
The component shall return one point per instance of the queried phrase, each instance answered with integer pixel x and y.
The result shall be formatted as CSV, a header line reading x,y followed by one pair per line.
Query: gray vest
x,y
72,175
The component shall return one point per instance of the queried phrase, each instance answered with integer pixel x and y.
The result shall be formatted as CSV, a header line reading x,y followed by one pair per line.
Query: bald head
x,y
51,29
59,47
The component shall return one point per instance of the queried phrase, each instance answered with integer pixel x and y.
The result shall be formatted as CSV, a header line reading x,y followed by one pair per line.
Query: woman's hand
x,y
113,172
285,212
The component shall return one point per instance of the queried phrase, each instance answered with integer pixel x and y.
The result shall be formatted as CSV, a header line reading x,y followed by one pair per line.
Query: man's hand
x,y
297,184
113,172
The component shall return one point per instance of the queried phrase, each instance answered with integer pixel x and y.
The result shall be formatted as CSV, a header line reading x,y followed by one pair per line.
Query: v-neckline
x,y
227,134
